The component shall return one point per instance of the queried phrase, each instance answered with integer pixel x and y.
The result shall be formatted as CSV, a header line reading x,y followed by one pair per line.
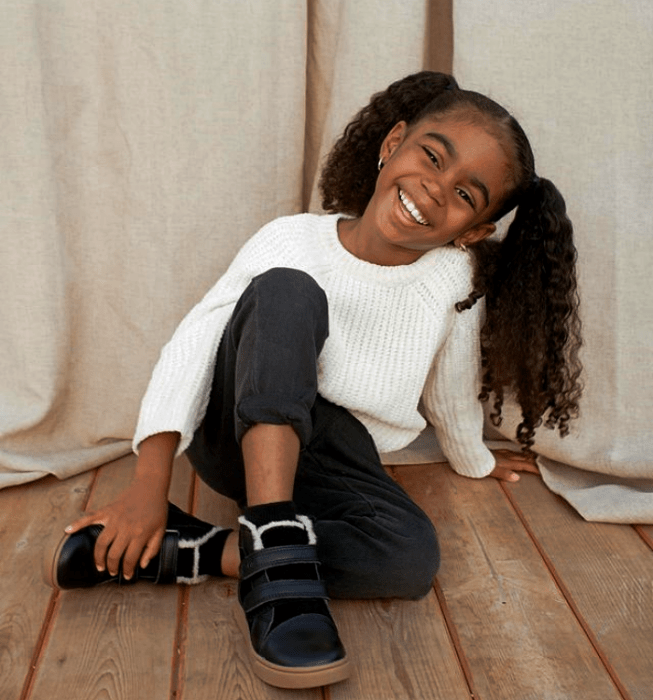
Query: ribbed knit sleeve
x,y
180,386
450,396
179,389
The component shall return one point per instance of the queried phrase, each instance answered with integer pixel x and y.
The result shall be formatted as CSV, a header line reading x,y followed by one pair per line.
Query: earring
x,y
463,247
380,165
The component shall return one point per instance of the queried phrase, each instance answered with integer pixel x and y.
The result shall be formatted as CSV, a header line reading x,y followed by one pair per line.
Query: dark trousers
x,y
373,541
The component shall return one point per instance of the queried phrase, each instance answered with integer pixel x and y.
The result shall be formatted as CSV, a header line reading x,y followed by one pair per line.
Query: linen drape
x,y
143,143
578,77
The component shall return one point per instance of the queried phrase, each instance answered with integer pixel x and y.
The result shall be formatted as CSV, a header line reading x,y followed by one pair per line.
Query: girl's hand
x,y
508,463
134,526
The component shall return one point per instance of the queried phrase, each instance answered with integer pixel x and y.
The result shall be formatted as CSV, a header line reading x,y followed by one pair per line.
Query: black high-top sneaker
x,y
284,613
191,551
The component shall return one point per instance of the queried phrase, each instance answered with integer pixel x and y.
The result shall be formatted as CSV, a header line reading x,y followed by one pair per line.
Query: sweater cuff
x,y
476,463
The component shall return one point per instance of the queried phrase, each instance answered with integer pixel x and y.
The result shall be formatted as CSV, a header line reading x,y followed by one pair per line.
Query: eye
x,y
465,196
434,158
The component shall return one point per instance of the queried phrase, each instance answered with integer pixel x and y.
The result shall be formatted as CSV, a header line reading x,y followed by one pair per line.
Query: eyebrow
x,y
451,150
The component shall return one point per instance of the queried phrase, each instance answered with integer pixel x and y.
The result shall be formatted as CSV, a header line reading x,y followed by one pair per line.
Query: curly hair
x,y
531,336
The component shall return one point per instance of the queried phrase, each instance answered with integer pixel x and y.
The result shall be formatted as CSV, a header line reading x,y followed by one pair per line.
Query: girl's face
x,y
442,180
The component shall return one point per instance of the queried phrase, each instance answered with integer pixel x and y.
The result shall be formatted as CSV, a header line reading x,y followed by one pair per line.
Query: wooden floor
x,y
531,603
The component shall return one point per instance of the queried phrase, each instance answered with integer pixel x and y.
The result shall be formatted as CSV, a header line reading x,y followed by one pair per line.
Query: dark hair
x,y
531,336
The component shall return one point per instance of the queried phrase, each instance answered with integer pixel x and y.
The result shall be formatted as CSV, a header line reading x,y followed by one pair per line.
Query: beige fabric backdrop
x,y
143,142
579,77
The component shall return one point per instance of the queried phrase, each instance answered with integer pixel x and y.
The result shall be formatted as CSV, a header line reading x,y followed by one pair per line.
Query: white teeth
x,y
414,211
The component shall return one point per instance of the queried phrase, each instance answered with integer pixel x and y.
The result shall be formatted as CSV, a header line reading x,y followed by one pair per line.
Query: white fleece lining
x,y
303,522
195,546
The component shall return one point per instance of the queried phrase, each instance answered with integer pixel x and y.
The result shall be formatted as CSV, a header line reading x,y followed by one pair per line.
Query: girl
x,y
333,338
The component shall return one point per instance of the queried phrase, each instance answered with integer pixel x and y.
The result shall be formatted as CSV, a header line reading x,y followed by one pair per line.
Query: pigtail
x,y
349,176
531,336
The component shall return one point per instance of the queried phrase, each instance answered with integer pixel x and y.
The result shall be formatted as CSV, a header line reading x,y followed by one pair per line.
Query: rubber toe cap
x,y
304,641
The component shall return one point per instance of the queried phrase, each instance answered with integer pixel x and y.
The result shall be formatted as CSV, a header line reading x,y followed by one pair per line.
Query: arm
x,y
134,524
450,397
452,406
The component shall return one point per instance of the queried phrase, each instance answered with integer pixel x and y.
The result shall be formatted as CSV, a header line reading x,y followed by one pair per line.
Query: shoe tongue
x,y
280,533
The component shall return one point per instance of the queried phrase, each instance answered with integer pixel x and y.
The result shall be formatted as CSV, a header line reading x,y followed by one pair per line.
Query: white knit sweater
x,y
394,338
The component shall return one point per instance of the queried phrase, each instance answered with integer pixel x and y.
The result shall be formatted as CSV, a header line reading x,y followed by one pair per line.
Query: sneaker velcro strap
x,y
272,591
168,558
283,555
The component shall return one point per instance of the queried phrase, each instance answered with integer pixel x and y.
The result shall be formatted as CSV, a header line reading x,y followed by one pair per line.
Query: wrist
x,y
154,465
151,487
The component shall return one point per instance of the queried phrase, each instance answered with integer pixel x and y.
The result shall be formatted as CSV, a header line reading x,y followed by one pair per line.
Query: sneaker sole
x,y
287,677
51,554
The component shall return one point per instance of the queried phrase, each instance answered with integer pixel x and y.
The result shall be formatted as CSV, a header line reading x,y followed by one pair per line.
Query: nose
x,y
435,188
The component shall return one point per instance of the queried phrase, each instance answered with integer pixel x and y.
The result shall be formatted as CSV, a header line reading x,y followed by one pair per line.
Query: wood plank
x,y
400,649
113,642
520,639
608,571
391,642
216,666
646,533
28,515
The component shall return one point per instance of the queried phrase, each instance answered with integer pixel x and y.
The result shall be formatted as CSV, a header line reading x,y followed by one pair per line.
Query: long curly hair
x,y
531,336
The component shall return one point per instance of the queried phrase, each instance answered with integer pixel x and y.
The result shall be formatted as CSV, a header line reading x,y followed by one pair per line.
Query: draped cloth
x,y
578,78
144,142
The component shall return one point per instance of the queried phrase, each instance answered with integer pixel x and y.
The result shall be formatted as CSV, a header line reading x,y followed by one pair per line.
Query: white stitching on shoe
x,y
188,544
195,546
308,526
303,522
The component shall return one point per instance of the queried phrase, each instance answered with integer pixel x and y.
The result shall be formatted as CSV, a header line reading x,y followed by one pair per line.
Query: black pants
x,y
373,541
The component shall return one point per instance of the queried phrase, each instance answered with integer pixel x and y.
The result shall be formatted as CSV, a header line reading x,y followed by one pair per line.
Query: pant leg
x,y
373,540
265,372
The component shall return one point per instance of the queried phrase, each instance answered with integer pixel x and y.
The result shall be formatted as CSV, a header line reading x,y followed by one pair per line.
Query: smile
x,y
412,209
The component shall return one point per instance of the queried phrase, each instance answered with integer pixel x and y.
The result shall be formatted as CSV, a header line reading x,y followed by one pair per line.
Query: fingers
x,y
505,474
81,523
130,532
122,553
130,559
520,457
102,544
152,548
530,467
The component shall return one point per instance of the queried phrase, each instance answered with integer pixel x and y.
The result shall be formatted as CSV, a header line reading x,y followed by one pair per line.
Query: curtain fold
x,y
143,143
578,78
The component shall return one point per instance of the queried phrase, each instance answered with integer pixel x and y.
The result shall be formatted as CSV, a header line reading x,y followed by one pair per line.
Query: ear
x,y
395,137
475,234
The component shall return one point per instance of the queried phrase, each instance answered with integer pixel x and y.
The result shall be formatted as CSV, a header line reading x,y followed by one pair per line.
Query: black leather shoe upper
x,y
285,603
75,565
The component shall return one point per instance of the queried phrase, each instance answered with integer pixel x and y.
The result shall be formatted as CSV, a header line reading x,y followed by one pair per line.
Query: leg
x,y
258,418
270,454
373,540
265,373
265,376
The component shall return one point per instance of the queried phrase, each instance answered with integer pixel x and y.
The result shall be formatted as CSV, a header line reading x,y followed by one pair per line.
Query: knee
x,y
284,302
384,559
285,283
413,563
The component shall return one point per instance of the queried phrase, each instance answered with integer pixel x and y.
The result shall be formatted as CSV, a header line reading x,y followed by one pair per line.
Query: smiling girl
x,y
334,338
